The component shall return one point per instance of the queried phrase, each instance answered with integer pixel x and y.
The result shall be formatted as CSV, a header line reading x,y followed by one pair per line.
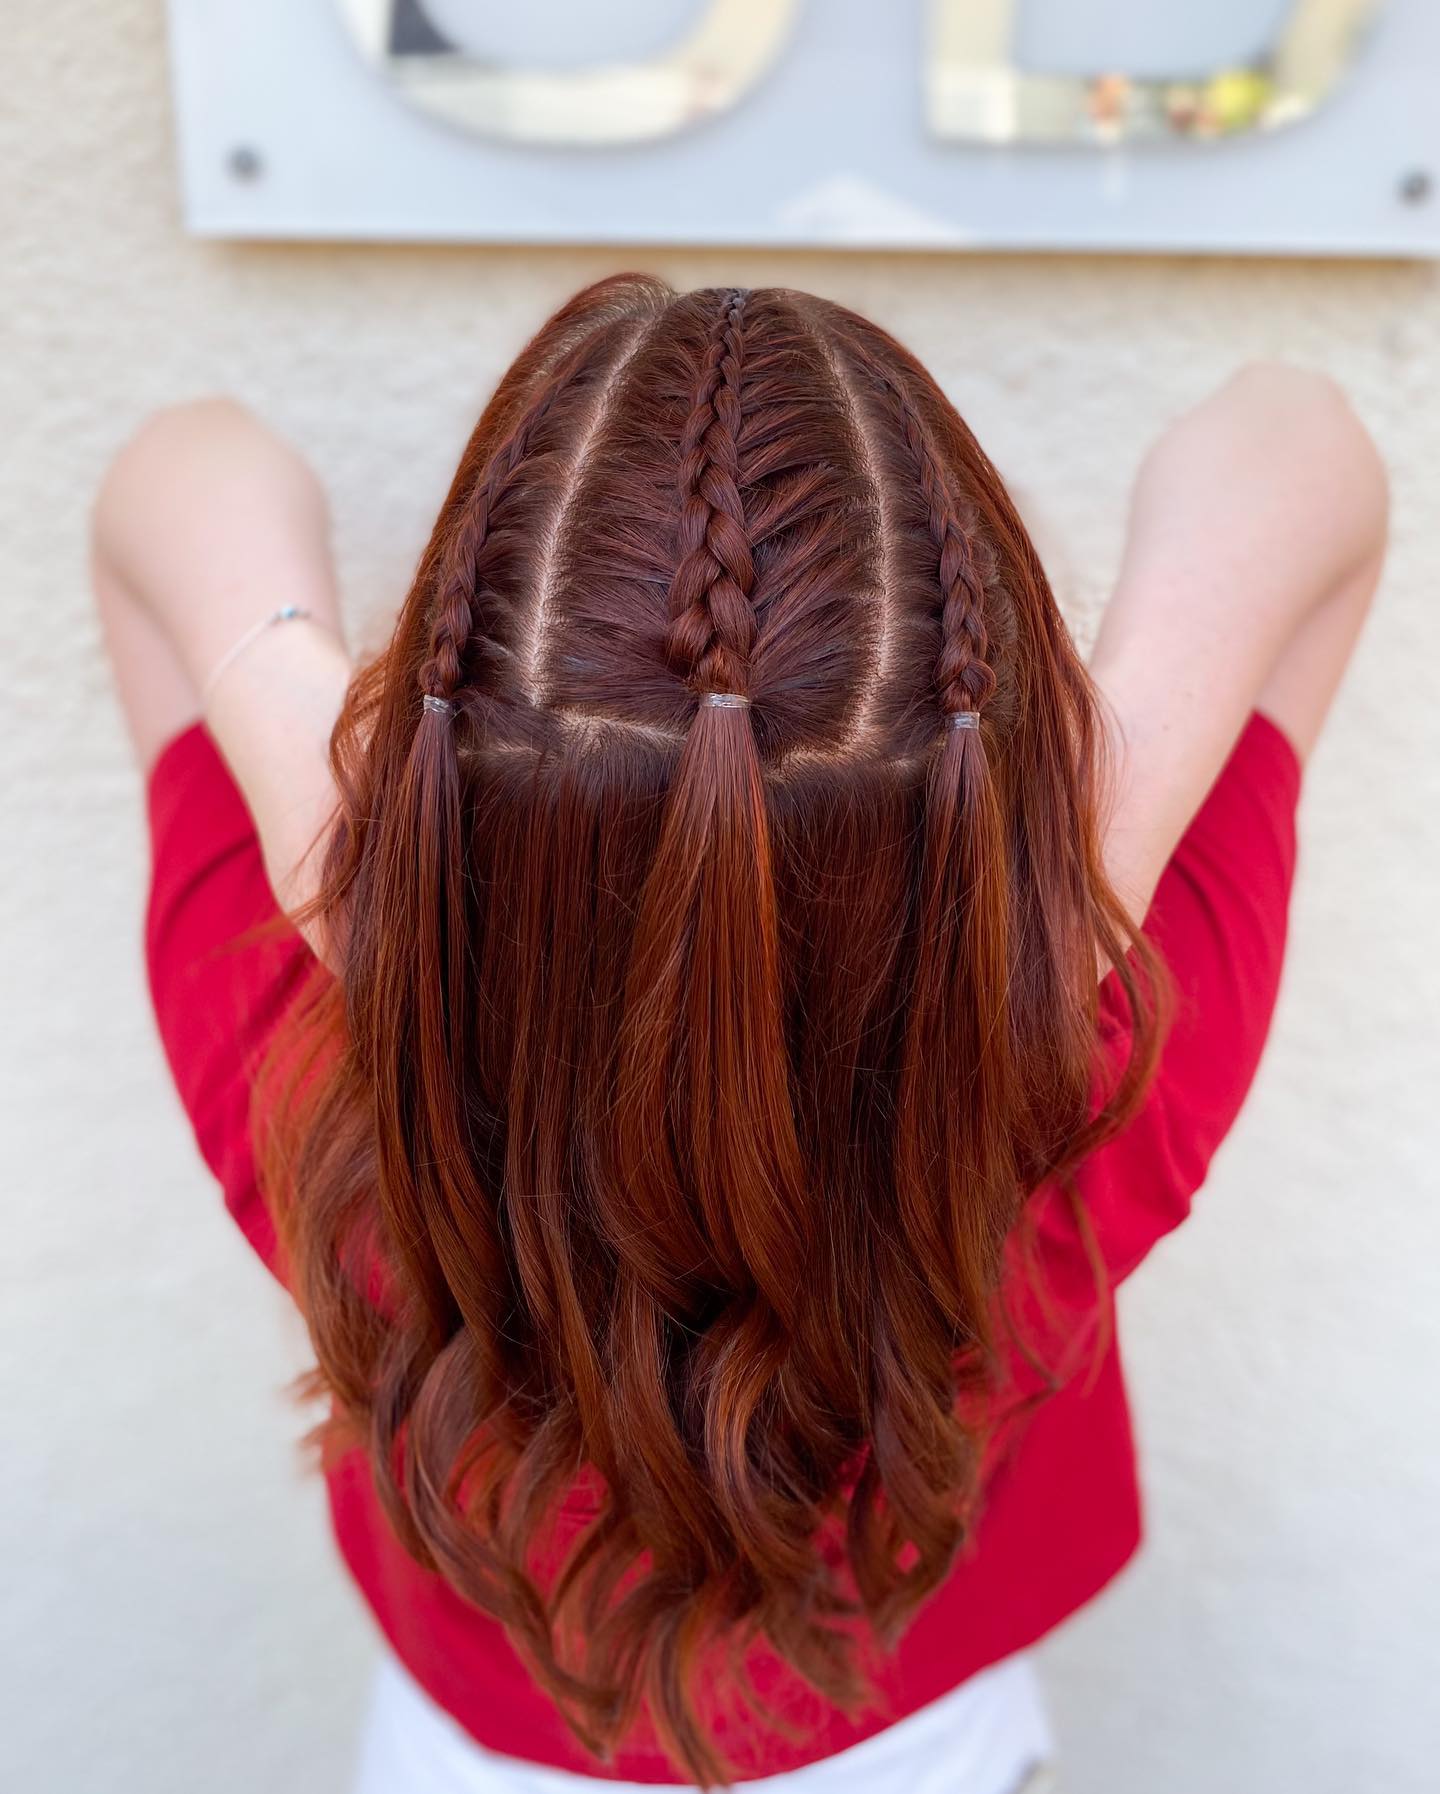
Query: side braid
x,y
956,1186
457,632
455,606
964,678
712,621
414,1005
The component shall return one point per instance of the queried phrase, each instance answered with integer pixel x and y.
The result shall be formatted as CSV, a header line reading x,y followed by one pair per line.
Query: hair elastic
x,y
965,719
725,700
441,706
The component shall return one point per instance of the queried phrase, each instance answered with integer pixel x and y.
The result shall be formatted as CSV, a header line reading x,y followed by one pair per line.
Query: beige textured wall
x,y
172,1619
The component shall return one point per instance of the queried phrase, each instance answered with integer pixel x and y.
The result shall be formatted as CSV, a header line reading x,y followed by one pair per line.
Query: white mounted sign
x,y
1302,126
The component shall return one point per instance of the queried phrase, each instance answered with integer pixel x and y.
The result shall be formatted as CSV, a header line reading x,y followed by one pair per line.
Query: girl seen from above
x,y
704,1019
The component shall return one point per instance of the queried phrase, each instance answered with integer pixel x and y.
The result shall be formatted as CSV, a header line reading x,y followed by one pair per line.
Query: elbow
x,y
147,459
178,422
1320,411
1285,387
170,432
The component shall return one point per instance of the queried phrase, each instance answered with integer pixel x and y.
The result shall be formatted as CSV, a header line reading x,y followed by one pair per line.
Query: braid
x,y
712,621
955,1186
453,630
423,990
964,678
706,1145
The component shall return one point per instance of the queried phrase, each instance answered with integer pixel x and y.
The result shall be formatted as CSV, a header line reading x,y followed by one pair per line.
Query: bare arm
x,y
206,523
1256,538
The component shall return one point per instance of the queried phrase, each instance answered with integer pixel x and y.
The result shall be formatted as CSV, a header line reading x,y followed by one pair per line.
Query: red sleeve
x,y
221,958
1219,917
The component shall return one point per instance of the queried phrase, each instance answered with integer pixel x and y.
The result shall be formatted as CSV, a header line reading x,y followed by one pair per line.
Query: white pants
x,y
988,1736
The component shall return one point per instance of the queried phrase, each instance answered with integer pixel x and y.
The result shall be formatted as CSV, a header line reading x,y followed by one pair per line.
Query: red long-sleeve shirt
x,y
1061,1513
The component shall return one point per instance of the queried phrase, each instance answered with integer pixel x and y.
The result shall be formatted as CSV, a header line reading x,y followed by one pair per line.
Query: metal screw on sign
x,y
244,163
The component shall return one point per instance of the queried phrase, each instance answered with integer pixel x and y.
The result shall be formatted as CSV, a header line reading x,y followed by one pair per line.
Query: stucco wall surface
x,y
172,1617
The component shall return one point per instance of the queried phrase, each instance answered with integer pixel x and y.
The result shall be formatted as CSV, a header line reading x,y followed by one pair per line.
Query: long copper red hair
x,y
643,1170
